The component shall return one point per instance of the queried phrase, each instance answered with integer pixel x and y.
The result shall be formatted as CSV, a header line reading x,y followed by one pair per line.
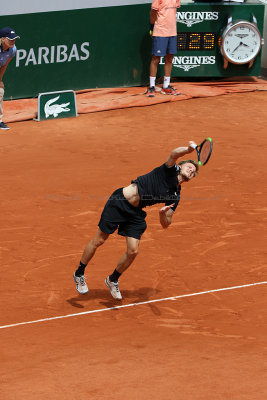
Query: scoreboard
x,y
187,41
210,35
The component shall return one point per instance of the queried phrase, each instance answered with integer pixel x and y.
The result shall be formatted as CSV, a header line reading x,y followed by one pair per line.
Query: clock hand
x,y
237,47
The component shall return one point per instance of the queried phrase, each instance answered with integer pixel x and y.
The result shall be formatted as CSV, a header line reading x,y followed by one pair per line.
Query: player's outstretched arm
x,y
165,216
179,152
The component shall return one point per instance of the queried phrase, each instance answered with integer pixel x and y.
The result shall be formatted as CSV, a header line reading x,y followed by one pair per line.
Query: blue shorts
x,y
164,45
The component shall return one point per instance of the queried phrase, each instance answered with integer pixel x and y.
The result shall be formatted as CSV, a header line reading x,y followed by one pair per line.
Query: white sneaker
x,y
80,284
114,289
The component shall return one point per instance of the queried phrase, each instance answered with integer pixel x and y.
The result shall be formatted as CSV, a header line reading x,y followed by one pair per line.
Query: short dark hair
x,y
192,162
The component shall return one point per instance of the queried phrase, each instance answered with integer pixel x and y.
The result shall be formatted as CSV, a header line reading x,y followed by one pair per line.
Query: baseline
x,y
132,305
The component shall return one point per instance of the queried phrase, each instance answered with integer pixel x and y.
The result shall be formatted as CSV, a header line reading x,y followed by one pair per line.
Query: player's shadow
x,y
129,297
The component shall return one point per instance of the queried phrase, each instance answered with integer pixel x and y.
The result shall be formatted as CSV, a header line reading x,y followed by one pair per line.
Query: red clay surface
x,y
55,179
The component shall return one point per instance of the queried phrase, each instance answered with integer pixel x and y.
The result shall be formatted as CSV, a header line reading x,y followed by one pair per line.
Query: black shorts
x,y
119,214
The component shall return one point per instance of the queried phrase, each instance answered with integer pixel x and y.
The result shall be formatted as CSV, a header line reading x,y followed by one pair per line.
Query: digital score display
x,y
195,41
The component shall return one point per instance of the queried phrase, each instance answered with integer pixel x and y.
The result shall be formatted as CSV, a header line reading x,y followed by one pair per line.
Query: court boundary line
x,y
131,305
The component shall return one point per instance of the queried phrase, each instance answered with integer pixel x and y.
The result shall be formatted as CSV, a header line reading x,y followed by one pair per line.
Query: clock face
x,y
241,42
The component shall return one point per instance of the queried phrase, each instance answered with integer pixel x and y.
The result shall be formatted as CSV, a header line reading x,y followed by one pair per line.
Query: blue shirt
x,y
6,55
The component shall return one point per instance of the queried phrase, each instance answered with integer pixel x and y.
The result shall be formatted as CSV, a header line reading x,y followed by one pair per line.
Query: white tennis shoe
x,y
80,284
114,289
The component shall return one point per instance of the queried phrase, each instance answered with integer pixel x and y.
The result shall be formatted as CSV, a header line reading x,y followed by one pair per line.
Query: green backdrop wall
x,y
107,47
101,47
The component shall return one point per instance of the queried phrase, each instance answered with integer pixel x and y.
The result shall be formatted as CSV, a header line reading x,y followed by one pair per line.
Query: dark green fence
x,y
109,47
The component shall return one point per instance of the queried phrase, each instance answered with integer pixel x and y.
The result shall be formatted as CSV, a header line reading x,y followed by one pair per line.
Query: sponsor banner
x,y
32,6
105,47
53,105
60,53
190,18
111,47
186,63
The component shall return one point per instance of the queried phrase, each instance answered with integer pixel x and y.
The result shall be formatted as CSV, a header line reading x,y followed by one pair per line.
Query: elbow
x,y
174,153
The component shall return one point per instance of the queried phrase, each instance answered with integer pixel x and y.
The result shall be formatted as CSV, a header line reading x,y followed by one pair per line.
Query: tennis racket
x,y
204,151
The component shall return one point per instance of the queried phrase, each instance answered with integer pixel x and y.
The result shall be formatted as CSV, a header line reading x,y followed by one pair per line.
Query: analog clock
x,y
241,41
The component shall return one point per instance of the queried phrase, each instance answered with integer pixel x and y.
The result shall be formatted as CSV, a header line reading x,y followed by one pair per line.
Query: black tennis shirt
x,y
159,186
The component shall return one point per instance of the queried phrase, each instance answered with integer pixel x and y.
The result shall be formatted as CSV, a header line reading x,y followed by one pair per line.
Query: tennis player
x,y
124,211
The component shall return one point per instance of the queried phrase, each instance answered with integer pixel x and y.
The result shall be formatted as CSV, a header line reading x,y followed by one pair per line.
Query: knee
x,y
98,242
155,60
132,252
169,58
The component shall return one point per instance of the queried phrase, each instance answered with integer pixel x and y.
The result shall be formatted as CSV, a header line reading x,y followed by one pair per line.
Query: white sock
x,y
166,81
152,81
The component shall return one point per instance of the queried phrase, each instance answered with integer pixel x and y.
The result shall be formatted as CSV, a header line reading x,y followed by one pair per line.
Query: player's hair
x,y
192,162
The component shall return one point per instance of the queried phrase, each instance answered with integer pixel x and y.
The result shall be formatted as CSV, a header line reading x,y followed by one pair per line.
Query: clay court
x,y
166,339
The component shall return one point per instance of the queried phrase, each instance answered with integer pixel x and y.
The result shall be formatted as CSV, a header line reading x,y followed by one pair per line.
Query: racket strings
x,y
205,152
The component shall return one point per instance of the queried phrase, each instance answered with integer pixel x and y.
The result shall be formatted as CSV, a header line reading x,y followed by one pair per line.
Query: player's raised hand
x,y
192,146
166,208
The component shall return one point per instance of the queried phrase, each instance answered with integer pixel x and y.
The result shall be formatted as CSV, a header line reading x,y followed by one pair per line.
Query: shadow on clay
x,y
129,297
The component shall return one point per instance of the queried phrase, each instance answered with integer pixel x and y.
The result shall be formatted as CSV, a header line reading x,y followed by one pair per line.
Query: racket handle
x,y
194,146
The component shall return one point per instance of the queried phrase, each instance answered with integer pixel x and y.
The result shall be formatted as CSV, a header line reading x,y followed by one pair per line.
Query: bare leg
x,y
154,65
168,65
90,249
124,262
132,250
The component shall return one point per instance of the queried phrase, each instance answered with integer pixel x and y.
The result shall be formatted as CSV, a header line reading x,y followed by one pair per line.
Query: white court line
x,y
131,305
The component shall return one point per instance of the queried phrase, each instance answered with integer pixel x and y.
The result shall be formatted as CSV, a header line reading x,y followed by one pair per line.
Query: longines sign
x,y
190,18
188,62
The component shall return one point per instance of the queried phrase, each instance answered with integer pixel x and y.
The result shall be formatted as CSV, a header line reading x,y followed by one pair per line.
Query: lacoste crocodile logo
x,y
55,109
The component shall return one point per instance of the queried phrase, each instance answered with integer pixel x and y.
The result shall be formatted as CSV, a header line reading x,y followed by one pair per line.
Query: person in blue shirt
x,y
7,51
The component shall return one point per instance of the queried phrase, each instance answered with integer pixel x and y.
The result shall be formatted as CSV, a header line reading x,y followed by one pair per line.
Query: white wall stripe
x,y
32,6
132,305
